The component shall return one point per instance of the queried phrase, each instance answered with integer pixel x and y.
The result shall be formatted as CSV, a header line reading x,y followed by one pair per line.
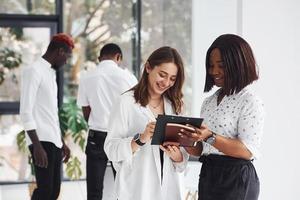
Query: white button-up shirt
x,y
38,104
100,88
239,116
139,174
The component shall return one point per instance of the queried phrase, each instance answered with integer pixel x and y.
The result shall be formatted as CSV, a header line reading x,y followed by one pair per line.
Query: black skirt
x,y
227,178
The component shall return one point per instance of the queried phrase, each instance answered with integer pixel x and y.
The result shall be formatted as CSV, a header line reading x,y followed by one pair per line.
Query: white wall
x,y
211,18
272,27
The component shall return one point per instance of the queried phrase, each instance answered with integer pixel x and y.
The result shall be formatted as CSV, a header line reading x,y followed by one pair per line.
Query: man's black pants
x,y
96,162
48,179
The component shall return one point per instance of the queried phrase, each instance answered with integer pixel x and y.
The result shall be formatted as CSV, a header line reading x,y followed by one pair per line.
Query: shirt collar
x,y
107,62
46,64
216,94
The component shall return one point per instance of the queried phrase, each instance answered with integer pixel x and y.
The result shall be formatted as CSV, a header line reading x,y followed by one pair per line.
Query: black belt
x,y
223,160
97,134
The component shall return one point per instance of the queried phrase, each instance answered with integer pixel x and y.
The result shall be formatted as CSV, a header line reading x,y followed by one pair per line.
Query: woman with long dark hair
x,y
230,136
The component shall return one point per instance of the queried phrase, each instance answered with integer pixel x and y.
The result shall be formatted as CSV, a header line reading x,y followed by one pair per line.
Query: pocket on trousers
x,y
94,150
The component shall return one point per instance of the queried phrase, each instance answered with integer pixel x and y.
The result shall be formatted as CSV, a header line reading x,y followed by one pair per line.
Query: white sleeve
x,y
82,99
250,124
180,166
30,81
131,79
117,145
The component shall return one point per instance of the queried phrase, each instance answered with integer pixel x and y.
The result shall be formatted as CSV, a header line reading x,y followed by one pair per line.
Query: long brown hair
x,y
174,94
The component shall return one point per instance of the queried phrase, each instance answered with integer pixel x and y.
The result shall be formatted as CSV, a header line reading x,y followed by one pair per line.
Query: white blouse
x,y
139,174
239,116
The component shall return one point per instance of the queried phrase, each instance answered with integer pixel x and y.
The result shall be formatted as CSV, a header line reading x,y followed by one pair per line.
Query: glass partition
x,y
13,162
19,47
169,23
44,7
94,24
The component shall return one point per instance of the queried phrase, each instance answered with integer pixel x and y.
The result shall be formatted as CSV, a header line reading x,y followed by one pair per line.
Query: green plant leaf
x,y
21,142
73,168
71,118
9,58
79,139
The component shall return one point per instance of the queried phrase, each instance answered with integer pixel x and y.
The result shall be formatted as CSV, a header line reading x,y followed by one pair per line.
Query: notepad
x,y
173,133
168,127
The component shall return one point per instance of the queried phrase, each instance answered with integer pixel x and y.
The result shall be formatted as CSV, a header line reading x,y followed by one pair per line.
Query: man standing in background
x,y
39,114
98,90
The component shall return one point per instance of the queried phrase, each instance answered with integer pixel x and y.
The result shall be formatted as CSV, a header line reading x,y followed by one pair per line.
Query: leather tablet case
x,y
173,134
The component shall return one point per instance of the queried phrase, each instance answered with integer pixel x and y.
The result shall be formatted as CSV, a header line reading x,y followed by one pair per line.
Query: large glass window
x,y
45,7
168,23
94,24
13,162
19,47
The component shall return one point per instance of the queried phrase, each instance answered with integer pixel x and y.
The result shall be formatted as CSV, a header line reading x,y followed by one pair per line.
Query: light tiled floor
x,y
76,190
70,190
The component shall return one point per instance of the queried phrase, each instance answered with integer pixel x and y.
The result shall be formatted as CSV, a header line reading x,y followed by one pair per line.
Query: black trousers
x,y
96,163
227,178
48,179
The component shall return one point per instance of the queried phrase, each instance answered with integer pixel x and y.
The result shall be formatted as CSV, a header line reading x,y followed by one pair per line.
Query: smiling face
x,y
216,68
161,78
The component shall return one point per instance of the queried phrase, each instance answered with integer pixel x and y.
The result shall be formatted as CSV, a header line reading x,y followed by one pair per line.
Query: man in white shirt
x,y
98,90
39,114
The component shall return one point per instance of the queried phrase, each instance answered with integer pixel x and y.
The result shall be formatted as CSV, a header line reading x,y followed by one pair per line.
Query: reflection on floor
x,y
76,190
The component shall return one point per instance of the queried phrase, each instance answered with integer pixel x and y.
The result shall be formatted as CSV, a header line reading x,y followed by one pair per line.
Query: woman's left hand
x,y
173,151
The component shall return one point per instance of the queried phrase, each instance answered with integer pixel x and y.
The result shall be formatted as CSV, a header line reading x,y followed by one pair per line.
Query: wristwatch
x,y
211,139
137,140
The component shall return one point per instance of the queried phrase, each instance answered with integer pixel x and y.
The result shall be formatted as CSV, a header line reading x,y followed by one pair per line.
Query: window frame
x,y
55,24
